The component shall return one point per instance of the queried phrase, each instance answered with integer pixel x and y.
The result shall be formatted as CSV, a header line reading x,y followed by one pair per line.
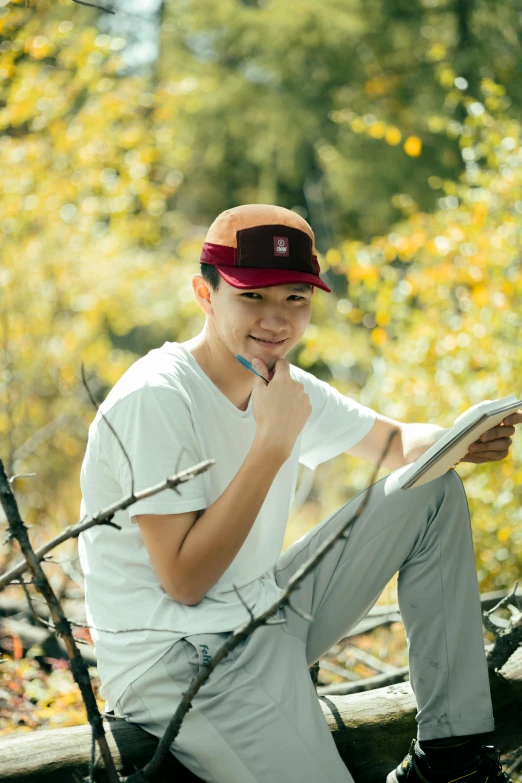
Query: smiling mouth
x,y
267,342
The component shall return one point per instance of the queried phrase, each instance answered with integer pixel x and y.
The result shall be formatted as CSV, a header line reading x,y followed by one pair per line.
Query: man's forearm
x,y
417,438
219,533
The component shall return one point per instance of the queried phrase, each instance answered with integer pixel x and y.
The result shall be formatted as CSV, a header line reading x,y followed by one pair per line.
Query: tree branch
x,y
153,767
104,517
91,5
507,640
62,626
79,670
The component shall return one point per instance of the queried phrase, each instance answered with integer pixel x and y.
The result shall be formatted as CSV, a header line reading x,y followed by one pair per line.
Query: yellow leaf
x,y
333,256
377,130
375,87
358,125
437,51
413,146
447,77
393,136
379,336
382,317
436,124
68,698
480,295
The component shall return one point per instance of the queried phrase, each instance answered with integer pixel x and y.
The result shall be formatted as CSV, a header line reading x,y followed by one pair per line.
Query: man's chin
x,y
269,357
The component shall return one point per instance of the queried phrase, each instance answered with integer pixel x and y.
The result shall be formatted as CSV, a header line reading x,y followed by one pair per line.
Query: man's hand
x,y
494,443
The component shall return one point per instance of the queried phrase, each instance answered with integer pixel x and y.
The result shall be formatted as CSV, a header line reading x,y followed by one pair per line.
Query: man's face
x,y
278,313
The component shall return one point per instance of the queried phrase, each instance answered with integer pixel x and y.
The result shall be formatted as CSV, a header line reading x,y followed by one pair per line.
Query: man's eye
x,y
253,293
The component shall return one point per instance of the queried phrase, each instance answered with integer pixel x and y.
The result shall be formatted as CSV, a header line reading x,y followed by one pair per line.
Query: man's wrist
x,y
418,438
269,449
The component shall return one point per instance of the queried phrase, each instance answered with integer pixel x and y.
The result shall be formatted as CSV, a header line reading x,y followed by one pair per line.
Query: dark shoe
x,y
415,769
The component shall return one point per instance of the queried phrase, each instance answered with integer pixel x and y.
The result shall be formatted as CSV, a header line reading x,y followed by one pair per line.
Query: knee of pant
x,y
449,485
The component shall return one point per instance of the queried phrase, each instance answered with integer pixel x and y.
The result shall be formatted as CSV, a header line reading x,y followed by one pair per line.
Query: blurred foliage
x,y
333,107
35,697
432,318
384,126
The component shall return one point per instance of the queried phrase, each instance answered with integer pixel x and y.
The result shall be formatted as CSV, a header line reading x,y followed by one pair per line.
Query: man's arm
x,y
190,552
410,443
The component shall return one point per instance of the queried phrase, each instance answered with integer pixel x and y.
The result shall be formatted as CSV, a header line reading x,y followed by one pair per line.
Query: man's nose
x,y
273,320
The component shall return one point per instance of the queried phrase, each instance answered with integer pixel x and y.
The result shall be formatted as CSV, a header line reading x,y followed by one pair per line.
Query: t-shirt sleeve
x,y
155,426
336,423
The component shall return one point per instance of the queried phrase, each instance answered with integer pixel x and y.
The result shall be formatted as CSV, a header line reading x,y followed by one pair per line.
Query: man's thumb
x,y
261,367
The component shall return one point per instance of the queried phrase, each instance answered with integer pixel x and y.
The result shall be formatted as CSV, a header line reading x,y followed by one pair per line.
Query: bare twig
x,y
364,684
118,12
31,608
300,612
78,668
504,600
507,639
79,624
369,660
91,5
249,610
341,671
109,425
516,764
152,768
62,626
21,475
93,756
41,435
377,621
103,517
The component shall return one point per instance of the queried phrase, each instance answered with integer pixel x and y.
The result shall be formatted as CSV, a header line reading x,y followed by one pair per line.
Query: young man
x,y
167,580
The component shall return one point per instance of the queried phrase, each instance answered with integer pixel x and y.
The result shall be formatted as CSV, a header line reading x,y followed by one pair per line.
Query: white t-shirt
x,y
162,404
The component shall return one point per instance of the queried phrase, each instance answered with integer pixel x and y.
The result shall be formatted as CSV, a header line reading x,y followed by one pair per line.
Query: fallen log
x,y
364,684
372,731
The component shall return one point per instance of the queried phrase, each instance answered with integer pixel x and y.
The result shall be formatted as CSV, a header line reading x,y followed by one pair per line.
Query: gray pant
x,y
258,718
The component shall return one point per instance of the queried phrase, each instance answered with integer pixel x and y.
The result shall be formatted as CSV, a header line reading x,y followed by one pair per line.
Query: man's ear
x,y
203,294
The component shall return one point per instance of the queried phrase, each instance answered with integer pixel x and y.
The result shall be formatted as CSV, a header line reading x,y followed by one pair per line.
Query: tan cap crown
x,y
223,229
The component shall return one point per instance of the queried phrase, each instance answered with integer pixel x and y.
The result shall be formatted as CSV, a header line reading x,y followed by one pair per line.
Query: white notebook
x,y
453,445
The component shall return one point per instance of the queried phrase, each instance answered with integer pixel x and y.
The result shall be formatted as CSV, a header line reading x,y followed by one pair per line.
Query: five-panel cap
x,y
258,245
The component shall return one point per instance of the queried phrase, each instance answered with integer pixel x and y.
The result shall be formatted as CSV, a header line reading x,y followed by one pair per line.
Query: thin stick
x,y
153,767
77,665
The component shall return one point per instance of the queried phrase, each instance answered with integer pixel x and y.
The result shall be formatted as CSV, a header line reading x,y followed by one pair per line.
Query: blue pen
x,y
247,364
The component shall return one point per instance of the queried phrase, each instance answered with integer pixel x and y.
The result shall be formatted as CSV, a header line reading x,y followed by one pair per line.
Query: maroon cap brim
x,y
252,277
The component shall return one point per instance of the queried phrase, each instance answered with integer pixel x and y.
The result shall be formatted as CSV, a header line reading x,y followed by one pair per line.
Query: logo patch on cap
x,y
281,246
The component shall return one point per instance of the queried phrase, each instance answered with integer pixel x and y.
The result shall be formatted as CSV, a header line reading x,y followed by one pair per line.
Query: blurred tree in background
x,y
387,125
303,103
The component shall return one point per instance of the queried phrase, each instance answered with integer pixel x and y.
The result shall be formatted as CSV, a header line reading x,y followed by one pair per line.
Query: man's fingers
x,y
487,456
497,432
514,418
495,445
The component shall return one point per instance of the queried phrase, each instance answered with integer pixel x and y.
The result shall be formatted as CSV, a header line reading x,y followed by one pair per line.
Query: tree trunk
x,y
372,731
